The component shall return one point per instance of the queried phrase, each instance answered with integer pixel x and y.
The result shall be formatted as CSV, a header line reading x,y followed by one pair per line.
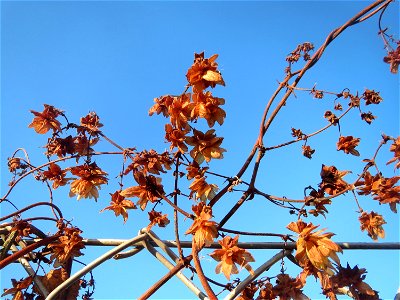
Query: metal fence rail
x,y
149,241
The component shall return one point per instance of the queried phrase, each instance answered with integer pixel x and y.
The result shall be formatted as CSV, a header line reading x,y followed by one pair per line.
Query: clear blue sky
x,y
115,57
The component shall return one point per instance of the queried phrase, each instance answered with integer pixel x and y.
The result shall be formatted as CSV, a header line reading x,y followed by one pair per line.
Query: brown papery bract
x,y
395,148
150,162
348,144
68,246
57,175
203,73
368,184
91,177
83,145
297,133
46,120
180,111
267,292
23,228
18,287
332,182
63,146
368,117
331,117
372,223
248,292
287,288
149,189
205,146
208,107
315,247
161,105
53,279
353,278
393,59
90,124
371,97
14,164
388,192
202,189
229,255
120,205
194,170
383,189
176,137
203,230
307,151
157,218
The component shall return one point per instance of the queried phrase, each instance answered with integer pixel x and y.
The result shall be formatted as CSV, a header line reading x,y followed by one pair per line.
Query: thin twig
x,y
181,264
13,257
176,224
30,207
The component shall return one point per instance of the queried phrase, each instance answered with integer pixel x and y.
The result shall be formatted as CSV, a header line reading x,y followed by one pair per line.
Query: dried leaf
x,y
120,205
230,255
348,145
314,247
203,230
91,178
46,120
372,222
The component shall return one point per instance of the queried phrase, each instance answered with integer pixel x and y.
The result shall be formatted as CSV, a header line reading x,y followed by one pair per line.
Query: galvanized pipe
x,y
253,245
28,268
264,267
94,264
170,266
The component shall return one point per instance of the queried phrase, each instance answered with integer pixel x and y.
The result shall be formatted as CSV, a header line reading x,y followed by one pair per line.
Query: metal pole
x,y
180,275
162,245
128,253
253,245
28,268
264,267
93,264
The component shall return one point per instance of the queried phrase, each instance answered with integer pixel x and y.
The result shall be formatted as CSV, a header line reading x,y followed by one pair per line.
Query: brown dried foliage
x,y
149,189
372,223
46,120
203,73
315,247
67,246
53,279
395,148
202,189
120,205
371,97
393,59
287,288
332,182
203,230
157,218
348,144
229,255
353,279
91,177
383,189
205,146
90,124
57,175
316,253
368,117
146,162
17,289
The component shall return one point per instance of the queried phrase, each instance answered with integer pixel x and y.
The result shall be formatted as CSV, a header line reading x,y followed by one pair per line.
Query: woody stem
x,y
195,253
